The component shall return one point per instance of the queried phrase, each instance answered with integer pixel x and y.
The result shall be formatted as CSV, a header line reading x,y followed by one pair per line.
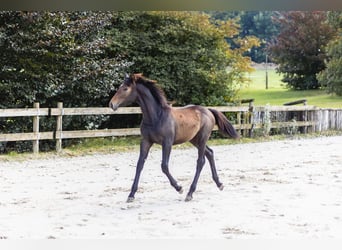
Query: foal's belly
x,y
188,123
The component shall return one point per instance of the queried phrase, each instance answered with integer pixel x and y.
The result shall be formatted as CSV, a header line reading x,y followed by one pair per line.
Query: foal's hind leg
x,y
199,167
209,153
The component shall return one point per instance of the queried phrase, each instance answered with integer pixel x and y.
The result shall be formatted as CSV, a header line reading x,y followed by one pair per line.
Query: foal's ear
x,y
137,76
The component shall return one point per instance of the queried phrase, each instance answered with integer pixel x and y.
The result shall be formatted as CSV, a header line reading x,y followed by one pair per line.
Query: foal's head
x,y
126,93
133,86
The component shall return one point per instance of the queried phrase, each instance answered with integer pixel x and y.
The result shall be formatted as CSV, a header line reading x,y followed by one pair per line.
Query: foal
x,y
168,126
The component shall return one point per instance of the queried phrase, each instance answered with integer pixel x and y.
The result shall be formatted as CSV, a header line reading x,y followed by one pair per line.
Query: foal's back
x,y
190,120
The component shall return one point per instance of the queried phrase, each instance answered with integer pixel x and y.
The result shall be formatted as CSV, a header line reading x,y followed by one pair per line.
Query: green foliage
x,y
184,51
299,49
331,77
79,58
54,56
259,24
253,23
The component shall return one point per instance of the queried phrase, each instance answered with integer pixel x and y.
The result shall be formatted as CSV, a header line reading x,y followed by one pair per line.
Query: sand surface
x,y
288,189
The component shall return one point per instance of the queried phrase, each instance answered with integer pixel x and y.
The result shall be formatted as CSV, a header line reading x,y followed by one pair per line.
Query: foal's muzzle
x,y
114,106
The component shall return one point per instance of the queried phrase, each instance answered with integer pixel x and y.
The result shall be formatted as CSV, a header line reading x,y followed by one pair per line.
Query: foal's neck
x,y
151,109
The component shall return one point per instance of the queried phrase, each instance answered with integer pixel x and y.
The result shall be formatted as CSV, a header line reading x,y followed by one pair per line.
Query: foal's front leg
x,y
145,146
166,148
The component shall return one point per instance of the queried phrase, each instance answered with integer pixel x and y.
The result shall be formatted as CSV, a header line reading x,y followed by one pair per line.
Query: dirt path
x,y
283,189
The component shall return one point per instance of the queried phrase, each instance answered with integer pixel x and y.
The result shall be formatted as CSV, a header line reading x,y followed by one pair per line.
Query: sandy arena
x,y
288,189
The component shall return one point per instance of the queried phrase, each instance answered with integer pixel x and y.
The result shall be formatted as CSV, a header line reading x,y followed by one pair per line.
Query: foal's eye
x,y
125,89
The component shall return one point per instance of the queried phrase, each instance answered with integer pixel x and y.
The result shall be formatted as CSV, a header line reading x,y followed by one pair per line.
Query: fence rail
x,y
249,118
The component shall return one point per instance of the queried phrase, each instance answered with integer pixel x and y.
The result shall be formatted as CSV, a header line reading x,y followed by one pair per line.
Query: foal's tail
x,y
224,125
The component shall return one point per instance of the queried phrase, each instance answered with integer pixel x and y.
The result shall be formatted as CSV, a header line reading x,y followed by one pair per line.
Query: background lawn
x,y
278,94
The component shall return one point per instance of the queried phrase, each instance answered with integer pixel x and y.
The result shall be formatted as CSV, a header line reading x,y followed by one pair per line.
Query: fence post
x,y
59,127
36,129
311,119
251,117
244,122
267,122
238,117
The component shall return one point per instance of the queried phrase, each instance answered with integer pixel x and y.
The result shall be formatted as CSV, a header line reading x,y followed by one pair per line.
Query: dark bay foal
x,y
167,126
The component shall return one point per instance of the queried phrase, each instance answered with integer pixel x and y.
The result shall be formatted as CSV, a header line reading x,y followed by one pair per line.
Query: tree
x,y
331,77
185,52
79,58
54,56
299,49
263,28
252,23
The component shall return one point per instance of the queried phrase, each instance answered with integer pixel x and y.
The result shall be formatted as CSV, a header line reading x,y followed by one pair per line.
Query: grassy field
x,y
278,94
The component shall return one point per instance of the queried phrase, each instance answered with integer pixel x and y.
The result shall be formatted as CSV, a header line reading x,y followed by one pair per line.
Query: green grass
x,y
86,146
278,94
104,145
131,143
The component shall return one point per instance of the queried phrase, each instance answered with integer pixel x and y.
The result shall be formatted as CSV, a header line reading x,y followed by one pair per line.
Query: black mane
x,y
155,90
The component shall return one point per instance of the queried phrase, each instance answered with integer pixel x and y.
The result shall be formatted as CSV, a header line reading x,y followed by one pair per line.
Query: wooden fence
x,y
248,120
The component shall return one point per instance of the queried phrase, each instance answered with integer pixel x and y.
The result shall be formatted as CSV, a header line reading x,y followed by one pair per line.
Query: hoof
x,y
221,187
188,198
130,199
180,190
